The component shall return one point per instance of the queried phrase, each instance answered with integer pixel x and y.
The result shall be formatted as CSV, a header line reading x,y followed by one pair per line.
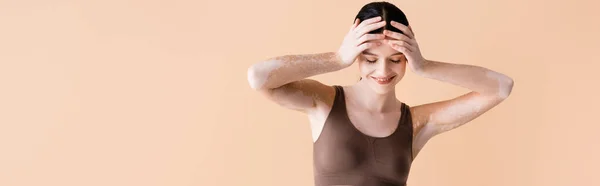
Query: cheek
x,y
399,68
365,68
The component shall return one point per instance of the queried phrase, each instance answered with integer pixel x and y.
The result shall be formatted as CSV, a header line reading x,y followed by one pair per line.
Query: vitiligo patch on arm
x,y
281,70
504,83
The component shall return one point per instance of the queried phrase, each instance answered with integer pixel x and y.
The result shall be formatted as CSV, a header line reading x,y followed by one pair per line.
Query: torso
x,y
386,123
354,147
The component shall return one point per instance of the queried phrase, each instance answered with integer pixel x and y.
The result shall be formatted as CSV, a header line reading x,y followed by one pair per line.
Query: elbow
x,y
506,87
259,74
256,80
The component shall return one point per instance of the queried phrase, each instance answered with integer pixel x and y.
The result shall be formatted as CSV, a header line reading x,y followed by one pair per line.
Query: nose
x,y
383,67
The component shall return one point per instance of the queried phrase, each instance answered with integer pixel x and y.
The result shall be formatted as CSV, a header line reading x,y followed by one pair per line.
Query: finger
x,y
368,45
398,42
400,46
410,47
403,28
369,37
402,49
356,21
368,28
411,30
368,22
398,36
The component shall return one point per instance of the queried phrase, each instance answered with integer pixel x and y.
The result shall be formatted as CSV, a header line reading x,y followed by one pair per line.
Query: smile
x,y
383,80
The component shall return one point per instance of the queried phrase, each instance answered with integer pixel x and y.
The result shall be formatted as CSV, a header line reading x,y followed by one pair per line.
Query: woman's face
x,y
382,67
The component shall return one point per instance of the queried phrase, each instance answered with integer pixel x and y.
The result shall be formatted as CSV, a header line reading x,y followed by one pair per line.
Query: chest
x,y
373,124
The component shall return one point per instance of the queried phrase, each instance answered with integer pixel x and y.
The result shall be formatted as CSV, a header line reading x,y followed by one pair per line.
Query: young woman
x,y
362,134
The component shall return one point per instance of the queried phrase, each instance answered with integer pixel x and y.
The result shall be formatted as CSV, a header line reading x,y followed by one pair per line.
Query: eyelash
x,y
390,60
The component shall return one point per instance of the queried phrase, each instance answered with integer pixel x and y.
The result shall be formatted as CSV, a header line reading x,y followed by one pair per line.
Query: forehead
x,y
382,50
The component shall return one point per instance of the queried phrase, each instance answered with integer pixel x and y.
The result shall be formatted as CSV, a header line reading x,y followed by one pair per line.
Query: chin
x,y
382,89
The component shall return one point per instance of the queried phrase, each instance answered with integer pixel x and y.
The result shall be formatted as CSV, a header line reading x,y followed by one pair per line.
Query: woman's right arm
x,y
284,80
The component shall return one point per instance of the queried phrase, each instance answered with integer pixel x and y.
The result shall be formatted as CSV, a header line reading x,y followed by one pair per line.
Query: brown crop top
x,y
342,155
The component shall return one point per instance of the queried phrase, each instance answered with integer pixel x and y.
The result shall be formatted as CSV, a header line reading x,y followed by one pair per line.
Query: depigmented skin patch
x,y
504,83
488,89
284,80
256,81
281,70
472,77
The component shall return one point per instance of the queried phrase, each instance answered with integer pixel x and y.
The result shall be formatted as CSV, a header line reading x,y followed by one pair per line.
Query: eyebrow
x,y
368,53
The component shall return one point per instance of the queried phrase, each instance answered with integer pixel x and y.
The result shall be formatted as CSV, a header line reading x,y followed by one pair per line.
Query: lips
x,y
384,80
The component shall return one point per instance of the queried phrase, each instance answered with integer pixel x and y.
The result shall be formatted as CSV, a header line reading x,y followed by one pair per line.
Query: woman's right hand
x,y
357,39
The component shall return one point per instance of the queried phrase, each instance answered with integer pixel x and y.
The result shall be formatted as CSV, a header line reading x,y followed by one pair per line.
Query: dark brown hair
x,y
389,12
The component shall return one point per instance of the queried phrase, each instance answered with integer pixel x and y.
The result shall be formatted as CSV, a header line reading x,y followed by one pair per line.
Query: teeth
x,y
379,79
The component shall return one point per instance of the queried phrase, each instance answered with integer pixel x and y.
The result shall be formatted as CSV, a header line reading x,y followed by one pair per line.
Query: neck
x,y
374,101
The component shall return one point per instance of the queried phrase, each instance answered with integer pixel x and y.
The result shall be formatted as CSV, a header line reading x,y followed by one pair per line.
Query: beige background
x,y
152,93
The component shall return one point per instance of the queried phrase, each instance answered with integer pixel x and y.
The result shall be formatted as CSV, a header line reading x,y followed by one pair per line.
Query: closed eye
x,y
395,61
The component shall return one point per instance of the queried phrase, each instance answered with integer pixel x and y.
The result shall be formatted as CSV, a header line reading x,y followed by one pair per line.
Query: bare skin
x,y
372,107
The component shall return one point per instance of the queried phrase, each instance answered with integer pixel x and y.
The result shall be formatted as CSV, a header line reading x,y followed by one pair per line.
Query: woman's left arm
x,y
488,88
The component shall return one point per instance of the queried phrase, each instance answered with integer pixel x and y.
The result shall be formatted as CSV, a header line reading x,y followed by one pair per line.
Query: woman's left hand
x,y
406,44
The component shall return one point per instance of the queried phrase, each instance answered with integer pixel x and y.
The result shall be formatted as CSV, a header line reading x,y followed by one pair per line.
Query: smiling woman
x,y
362,134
